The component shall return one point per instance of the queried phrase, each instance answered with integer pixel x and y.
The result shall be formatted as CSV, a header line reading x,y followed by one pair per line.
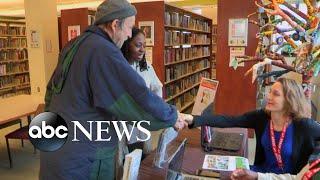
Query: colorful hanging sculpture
x,y
301,40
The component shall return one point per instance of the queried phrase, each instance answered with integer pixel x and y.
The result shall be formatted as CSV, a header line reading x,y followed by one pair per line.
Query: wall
x,y
42,17
236,94
211,12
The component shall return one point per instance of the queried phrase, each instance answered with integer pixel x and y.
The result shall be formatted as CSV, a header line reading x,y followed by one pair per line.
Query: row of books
x,y
213,64
185,21
181,54
173,38
214,48
184,99
214,73
176,71
13,30
214,39
13,54
15,91
13,42
215,29
17,80
185,83
13,68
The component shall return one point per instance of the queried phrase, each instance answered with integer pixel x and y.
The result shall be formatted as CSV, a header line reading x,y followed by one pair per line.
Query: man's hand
x,y
183,121
187,118
180,123
244,174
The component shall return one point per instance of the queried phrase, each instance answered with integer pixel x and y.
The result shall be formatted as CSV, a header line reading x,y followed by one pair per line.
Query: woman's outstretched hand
x,y
244,174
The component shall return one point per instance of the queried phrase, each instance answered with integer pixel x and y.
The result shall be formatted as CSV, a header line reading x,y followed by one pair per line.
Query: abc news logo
x,y
49,131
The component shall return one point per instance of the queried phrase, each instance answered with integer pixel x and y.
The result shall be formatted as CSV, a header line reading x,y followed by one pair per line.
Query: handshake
x,y
183,121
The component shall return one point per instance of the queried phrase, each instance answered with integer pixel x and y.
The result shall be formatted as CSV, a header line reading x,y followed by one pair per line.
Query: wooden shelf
x,y
19,37
5,91
167,18
191,59
9,48
17,32
14,36
186,106
17,20
18,85
10,74
186,29
17,61
182,92
203,44
23,87
186,75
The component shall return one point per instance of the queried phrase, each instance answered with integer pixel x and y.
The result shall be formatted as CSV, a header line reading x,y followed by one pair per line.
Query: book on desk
x,y
217,140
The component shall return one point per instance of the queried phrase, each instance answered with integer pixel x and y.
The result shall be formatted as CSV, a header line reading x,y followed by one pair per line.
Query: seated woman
x,y
285,134
310,171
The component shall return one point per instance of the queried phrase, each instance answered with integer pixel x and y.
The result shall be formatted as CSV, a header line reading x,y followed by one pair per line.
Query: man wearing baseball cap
x,y
94,82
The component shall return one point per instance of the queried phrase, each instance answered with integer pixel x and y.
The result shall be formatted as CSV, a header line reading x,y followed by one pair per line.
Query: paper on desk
x,y
225,163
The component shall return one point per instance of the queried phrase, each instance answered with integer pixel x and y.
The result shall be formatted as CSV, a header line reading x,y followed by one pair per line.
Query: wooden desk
x,y
193,156
16,107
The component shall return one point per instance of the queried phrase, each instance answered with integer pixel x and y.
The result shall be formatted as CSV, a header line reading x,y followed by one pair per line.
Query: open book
x,y
225,163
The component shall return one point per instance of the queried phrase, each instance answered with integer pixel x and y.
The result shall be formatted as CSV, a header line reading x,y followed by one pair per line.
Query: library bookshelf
x,y
214,51
14,65
182,52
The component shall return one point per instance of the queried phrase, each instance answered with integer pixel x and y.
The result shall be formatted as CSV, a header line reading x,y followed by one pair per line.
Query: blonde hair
x,y
296,103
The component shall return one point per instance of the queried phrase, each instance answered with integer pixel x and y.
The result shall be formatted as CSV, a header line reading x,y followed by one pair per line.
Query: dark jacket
x,y
98,85
306,133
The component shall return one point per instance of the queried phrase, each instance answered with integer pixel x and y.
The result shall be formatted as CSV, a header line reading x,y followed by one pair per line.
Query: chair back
x,y
40,109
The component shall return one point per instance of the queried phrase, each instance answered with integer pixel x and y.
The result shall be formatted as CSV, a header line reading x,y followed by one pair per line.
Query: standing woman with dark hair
x,y
133,50
285,134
